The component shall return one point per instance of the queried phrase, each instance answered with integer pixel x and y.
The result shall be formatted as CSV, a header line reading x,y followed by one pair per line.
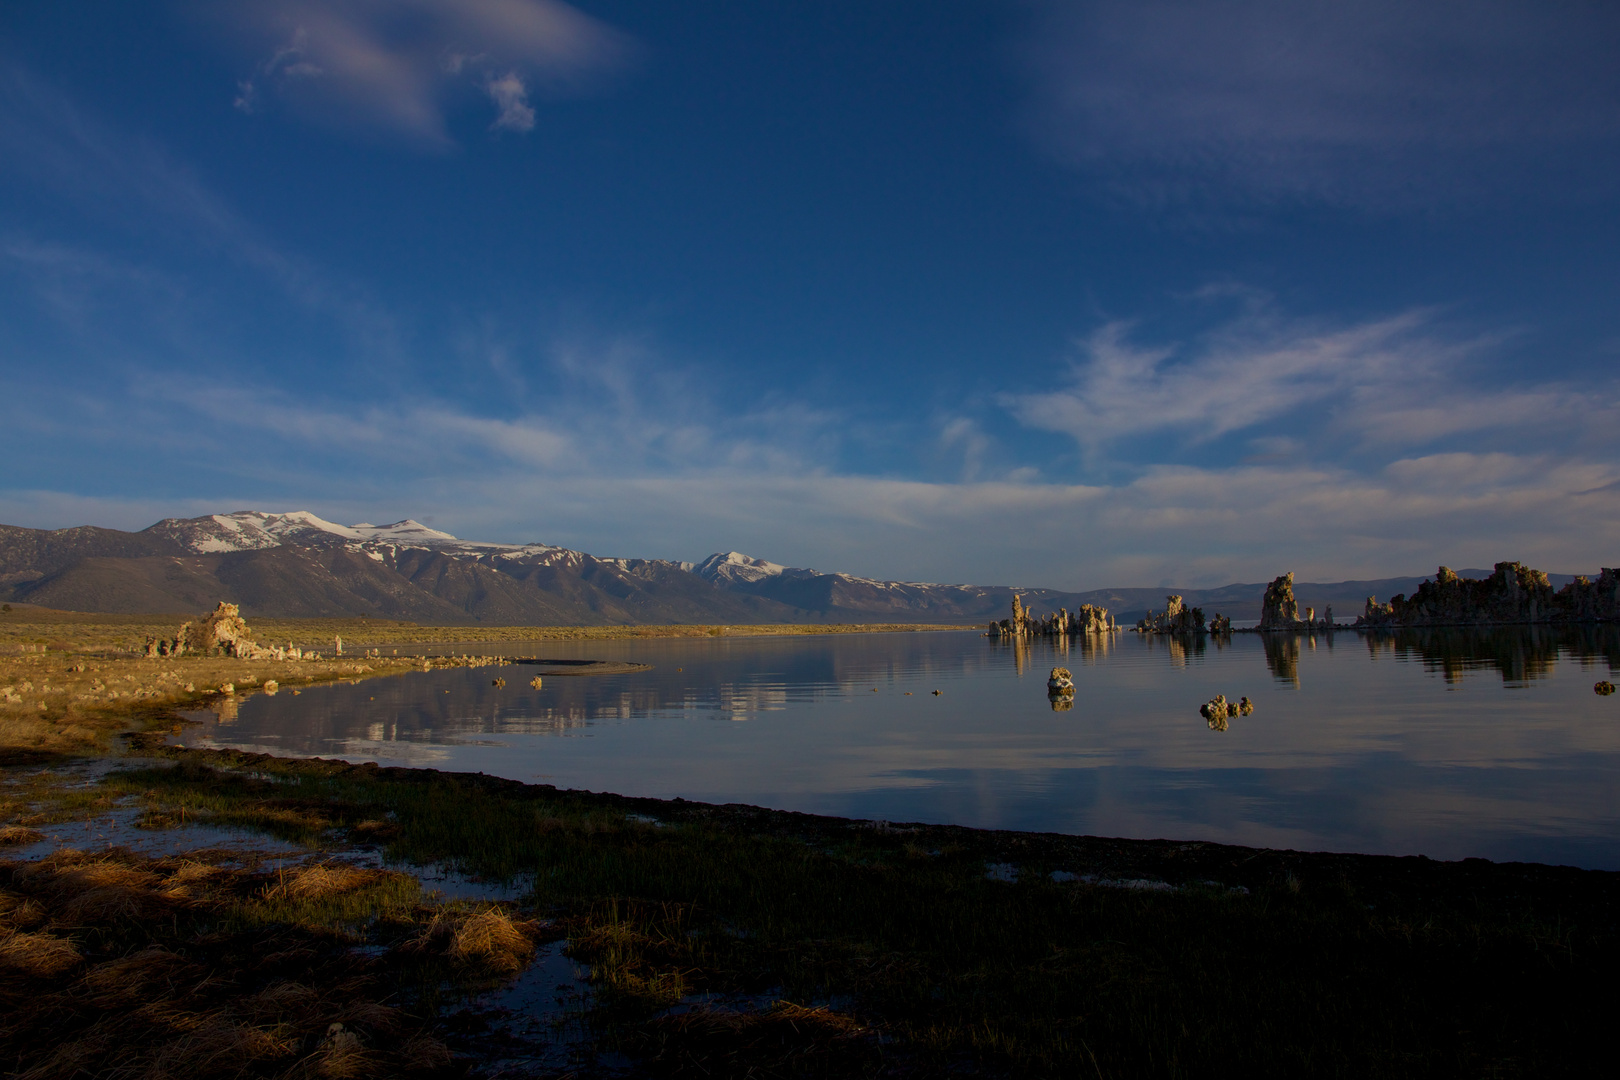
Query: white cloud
x,y
1189,525
511,97
397,66
1364,102
1379,385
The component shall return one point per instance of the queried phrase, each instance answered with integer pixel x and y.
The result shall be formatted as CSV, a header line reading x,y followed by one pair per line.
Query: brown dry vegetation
x,y
201,965
63,702
25,625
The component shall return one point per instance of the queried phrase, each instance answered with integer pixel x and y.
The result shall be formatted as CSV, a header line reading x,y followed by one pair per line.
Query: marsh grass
x,y
216,964
112,964
1268,963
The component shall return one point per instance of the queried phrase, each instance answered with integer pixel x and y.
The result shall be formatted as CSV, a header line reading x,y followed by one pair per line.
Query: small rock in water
x,y
1060,682
1604,688
535,682
497,682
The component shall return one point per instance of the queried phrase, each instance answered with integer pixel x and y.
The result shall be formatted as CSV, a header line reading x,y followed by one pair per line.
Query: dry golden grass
x,y
493,940
56,703
213,989
485,939
37,955
36,627
13,835
322,880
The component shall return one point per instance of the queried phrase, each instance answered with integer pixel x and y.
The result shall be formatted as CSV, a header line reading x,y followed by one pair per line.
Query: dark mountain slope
x,y
297,565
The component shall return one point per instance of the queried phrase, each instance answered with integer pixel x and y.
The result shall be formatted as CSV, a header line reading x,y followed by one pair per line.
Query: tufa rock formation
x,y
1280,611
1176,618
1060,682
1218,709
222,632
1088,620
1514,593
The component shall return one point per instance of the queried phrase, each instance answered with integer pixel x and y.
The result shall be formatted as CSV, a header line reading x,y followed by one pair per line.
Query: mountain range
x,y
296,565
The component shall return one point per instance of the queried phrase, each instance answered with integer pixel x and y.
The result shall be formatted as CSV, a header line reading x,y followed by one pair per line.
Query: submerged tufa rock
x,y
1217,710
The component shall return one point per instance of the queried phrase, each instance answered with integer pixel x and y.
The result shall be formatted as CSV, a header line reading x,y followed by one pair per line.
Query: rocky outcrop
x,y
222,632
1176,618
1217,710
1513,594
1089,619
1280,611
1060,682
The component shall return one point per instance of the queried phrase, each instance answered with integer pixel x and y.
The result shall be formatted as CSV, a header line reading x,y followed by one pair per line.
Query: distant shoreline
x,y
83,629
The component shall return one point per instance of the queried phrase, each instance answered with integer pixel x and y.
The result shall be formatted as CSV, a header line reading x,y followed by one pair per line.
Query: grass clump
x,y
216,964
111,964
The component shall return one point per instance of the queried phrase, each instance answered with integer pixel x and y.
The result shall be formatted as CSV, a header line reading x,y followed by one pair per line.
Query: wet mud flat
x,y
680,938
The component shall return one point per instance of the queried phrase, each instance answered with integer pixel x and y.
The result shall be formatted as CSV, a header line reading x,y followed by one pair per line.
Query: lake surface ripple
x,y
1442,743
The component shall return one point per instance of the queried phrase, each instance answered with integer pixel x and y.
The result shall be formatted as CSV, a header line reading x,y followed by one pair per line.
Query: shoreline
x,y
887,948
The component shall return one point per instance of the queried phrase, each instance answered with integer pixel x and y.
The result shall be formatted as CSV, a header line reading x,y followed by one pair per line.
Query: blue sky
x,y
1054,294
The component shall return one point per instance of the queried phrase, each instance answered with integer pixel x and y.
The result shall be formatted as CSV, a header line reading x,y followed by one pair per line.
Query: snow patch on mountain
x,y
733,566
254,530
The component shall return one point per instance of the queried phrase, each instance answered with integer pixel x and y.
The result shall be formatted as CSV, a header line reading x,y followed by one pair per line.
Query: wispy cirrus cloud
x,y
1369,103
1378,386
397,67
1178,524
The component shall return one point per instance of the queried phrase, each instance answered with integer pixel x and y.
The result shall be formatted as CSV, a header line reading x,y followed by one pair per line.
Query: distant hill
x,y
298,565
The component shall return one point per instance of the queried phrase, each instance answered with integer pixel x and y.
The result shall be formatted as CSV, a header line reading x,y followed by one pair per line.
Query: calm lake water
x,y
1446,744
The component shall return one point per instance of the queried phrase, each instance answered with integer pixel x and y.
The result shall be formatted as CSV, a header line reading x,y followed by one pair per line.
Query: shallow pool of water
x,y
1446,744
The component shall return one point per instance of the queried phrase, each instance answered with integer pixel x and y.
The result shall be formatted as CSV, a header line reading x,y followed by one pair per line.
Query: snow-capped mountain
x,y
255,530
733,566
300,565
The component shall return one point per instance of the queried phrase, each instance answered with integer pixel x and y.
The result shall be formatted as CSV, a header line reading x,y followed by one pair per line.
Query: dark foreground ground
x,y
736,941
